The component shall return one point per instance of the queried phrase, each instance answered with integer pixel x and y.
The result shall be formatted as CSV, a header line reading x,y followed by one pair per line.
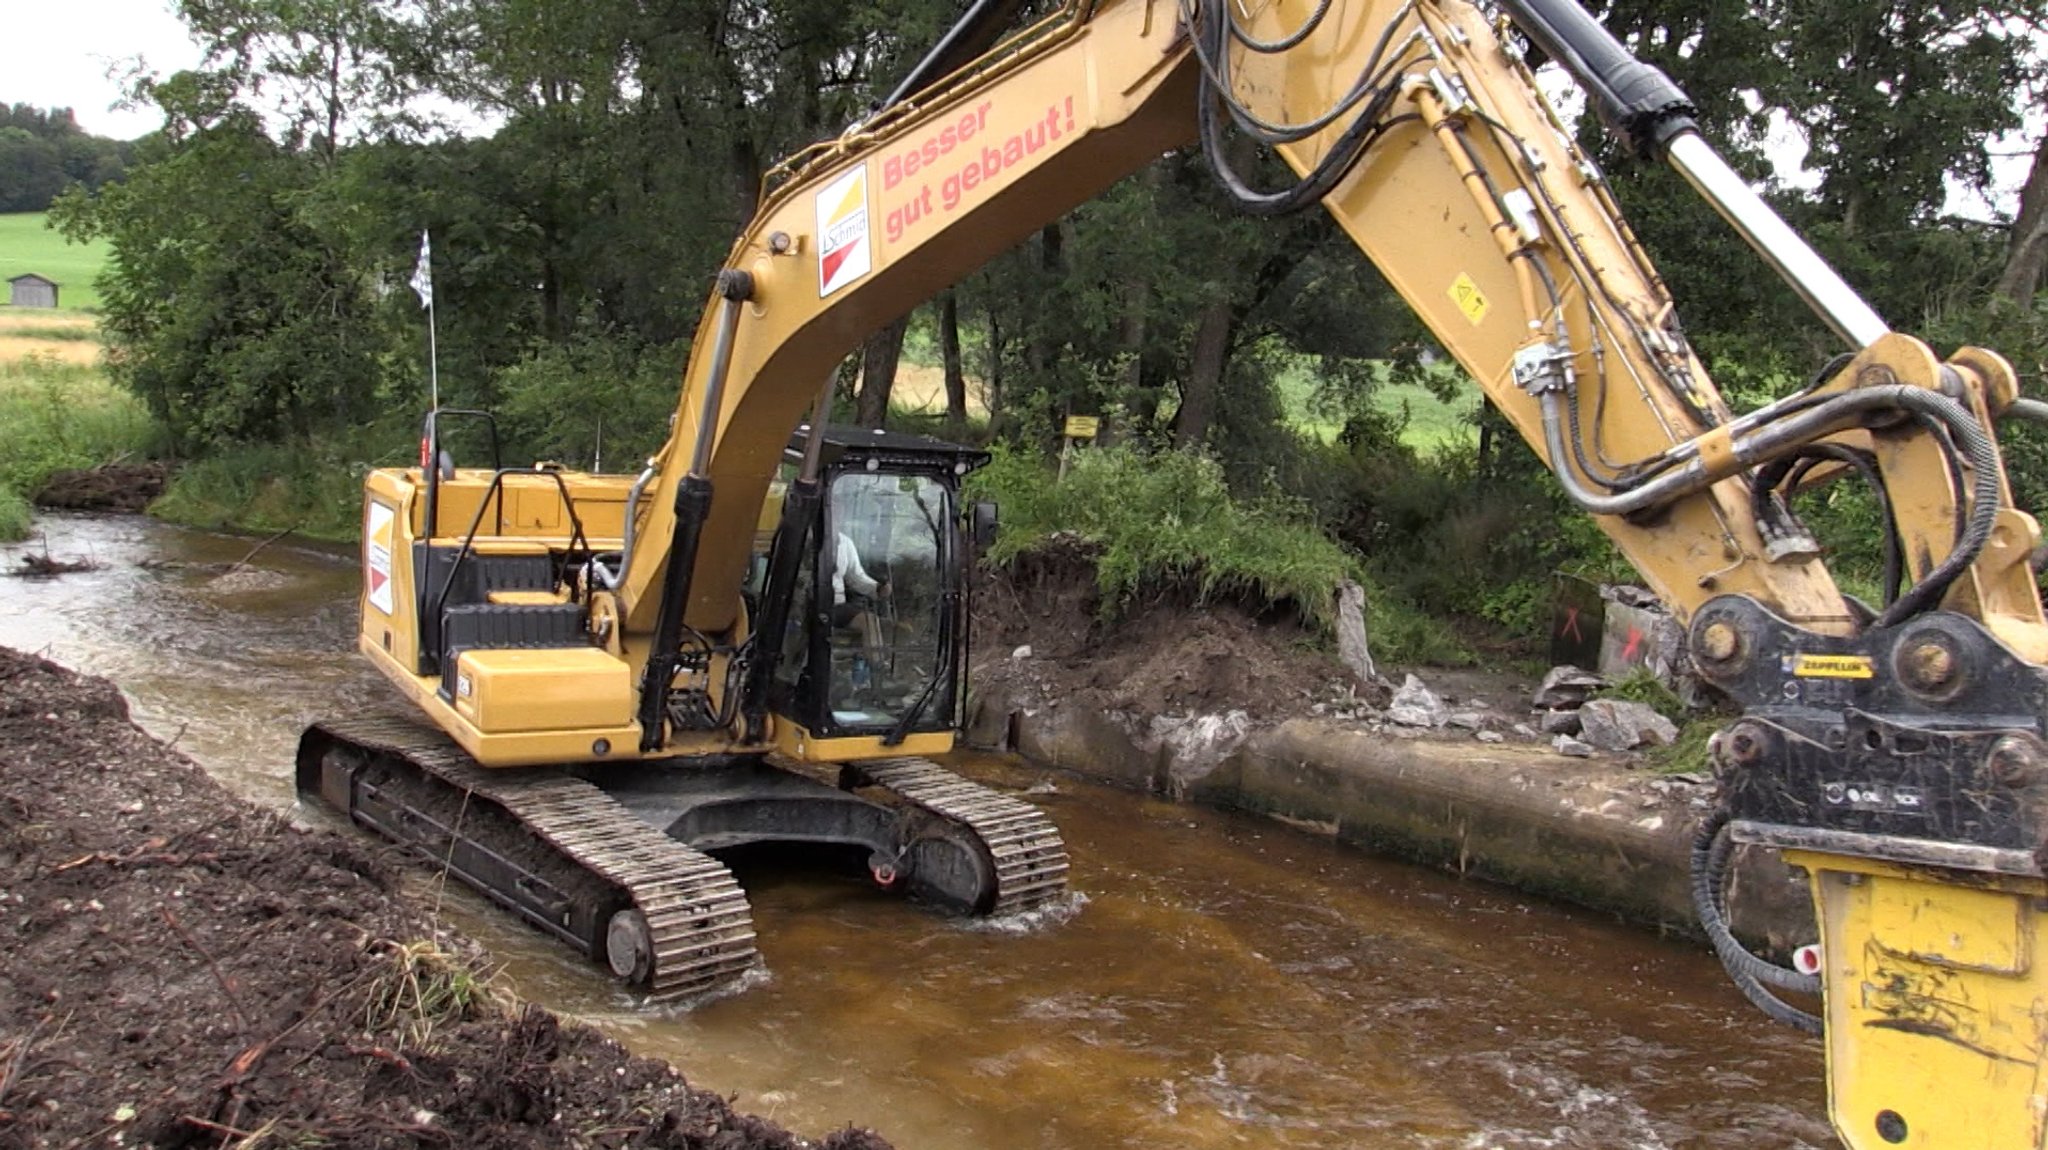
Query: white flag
x,y
423,274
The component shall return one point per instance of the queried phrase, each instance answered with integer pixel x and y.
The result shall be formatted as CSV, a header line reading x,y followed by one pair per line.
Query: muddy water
x,y
1222,982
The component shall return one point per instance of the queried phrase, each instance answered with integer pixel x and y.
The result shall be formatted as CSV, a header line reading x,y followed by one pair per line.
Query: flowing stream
x,y
1219,981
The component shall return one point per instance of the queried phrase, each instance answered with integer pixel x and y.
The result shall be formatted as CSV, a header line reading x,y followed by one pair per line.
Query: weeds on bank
x,y
60,416
14,515
1640,686
427,988
1167,519
314,490
1164,519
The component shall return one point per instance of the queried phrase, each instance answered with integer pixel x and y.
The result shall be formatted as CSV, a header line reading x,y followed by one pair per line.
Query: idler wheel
x,y
628,947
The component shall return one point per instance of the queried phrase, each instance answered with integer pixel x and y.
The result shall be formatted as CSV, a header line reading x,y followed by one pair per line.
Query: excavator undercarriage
x,y
617,864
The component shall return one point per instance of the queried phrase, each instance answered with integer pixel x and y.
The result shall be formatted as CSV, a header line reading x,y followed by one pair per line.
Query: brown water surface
x,y
1218,981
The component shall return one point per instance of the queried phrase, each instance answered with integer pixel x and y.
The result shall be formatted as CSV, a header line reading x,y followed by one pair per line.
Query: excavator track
x,y
552,847
1029,857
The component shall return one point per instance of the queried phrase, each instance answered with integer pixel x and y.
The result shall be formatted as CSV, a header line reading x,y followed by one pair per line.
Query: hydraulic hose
x,y
1792,432
1754,976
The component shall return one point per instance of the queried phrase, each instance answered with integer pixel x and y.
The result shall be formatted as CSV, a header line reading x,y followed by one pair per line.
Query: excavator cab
x,y
875,638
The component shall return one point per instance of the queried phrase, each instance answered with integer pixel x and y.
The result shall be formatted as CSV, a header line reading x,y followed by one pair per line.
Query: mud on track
x,y
180,968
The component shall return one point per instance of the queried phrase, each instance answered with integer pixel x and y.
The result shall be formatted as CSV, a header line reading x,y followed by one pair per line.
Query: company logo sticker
x,y
845,252
377,555
1831,666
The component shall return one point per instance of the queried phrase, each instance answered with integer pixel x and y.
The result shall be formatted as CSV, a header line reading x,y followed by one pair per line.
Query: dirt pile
x,y
1165,656
1039,638
187,970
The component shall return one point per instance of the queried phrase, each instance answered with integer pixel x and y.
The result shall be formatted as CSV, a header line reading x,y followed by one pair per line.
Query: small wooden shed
x,y
32,290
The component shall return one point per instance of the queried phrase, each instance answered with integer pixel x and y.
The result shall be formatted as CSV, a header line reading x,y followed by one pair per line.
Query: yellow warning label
x,y
1832,667
1469,298
1083,426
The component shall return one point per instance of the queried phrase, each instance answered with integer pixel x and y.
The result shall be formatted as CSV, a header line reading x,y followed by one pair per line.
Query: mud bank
x,y
1591,832
185,969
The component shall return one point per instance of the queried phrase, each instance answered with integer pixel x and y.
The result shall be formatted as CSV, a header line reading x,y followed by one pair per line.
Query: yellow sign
x,y
1833,667
1469,298
1082,426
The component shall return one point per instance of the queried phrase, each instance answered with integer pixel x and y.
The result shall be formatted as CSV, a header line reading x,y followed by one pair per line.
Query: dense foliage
x,y
583,168
44,151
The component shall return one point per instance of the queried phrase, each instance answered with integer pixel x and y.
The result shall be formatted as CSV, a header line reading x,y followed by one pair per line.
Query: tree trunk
x,y
992,393
1205,375
1041,349
2027,252
878,373
949,354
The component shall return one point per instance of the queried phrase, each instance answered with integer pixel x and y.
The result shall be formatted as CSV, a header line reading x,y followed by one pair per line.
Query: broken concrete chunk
x,y
1621,725
1415,706
1566,686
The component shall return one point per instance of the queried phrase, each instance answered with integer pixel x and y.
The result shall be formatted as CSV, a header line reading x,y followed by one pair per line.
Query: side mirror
x,y
983,525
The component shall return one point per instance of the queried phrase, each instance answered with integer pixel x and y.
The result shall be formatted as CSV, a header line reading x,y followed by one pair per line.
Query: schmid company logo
x,y
844,254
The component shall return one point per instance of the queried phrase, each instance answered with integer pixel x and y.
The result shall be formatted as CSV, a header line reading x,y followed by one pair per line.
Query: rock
x,y
1566,686
1526,731
1466,720
1023,652
1352,649
1415,706
1621,725
1491,737
1194,747
1558,722
1566,745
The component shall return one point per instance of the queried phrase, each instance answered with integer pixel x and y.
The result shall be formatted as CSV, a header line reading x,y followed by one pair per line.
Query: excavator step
x,y
552,847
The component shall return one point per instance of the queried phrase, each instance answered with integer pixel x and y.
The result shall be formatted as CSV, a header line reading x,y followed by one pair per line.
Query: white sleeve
x,y
847,562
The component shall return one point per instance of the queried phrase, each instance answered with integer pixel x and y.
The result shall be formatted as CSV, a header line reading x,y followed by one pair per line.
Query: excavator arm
x,y
1894,750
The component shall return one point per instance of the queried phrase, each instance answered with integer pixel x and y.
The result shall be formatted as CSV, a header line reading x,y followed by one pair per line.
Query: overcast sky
x,y
59,54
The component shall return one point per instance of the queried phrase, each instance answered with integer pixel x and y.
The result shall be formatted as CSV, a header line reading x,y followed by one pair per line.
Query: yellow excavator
x,y
666,687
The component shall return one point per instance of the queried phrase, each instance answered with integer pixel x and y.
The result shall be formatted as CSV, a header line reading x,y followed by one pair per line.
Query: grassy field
x,y
1431,423
27,246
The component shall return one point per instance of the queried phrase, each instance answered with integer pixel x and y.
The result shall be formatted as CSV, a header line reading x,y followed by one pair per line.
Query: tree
x,y
229,310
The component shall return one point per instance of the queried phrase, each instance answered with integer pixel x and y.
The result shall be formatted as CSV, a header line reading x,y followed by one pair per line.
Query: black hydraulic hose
x,y
1211,40
1788,472
1291,40
1794,430
1711,849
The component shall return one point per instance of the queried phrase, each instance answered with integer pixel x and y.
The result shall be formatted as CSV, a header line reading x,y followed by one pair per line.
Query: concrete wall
x,y
1588,833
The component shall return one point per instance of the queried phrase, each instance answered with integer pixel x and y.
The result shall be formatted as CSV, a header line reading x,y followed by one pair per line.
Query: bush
x,y
1166,520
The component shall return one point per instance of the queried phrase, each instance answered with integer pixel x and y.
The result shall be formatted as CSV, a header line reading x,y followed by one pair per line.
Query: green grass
x,y
14,515
314,491
61,416
27,246
1430,423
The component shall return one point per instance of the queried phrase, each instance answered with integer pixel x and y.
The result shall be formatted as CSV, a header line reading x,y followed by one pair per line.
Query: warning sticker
x,y
1469,298
377,555
844,253
1832,666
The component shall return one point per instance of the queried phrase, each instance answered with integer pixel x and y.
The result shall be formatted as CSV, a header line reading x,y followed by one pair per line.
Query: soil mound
x,y
187,970
121,487
1169,655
